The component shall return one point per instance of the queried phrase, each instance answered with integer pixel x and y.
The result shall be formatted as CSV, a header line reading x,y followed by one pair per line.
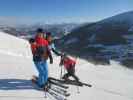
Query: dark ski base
x,y
71,82
56,90
55,95
54,82
60,92
59,88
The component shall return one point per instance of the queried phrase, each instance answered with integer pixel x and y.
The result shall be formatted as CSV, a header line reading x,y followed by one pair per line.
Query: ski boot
x,y
34,79
47,86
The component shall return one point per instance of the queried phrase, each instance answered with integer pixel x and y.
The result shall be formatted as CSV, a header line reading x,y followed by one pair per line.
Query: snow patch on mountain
x,y
73,40
92,38
124,17
131,29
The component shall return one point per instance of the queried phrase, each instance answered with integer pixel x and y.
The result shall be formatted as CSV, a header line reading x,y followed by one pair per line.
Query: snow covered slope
x,y
13,46
108,82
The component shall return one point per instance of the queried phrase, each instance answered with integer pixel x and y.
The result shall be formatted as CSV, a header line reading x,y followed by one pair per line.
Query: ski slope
x,y
109,82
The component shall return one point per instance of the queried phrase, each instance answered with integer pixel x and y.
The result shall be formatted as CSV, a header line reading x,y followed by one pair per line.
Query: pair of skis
x,y
56,90
69,82
59,90
58,94
57,83
60,84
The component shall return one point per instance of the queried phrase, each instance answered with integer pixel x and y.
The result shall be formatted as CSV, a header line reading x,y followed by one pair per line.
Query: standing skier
x,y
49,38
69,65
40,52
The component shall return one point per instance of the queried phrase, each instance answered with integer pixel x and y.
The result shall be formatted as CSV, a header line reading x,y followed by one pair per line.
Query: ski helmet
x,y
39,30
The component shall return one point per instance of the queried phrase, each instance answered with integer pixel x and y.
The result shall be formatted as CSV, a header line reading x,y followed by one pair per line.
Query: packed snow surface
x,y
109,82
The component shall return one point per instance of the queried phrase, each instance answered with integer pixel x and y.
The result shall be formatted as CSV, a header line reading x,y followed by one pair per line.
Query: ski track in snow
x,y
112,92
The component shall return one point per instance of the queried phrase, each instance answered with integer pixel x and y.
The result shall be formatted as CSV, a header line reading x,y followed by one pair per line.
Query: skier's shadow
x,y
15,84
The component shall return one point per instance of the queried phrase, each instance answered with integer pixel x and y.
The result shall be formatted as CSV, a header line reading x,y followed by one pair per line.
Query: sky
x,y
59,11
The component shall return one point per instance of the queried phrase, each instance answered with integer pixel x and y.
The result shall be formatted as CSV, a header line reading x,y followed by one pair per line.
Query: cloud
x,y
13,21
7,20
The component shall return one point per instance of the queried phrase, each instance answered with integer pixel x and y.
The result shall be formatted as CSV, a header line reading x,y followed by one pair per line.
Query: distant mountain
x,y
26,31
110,38
9,29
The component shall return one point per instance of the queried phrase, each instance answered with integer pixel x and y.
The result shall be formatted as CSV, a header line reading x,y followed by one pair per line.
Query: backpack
x,y
41,53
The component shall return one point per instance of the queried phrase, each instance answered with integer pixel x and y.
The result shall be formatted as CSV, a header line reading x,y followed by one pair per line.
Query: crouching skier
x,y
69,65
40,52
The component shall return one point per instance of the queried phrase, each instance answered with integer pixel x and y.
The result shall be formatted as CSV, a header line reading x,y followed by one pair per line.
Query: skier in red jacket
x,y
69,65
40,51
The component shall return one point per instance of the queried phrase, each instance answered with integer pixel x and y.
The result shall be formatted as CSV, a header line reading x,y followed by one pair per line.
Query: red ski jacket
x,y
33,47
41,41
69,63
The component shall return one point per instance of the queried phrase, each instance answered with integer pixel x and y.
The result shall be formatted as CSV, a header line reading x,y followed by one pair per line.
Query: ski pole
x,y
64,71
61,73
45,93
76,70
78,90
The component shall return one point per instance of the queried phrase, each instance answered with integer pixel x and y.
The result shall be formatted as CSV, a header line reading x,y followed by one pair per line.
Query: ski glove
x,y
51,61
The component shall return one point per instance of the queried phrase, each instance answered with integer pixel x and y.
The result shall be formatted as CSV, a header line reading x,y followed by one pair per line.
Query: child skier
x,y
69,65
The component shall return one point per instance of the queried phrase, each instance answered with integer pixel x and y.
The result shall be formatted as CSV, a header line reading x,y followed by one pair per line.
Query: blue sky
x,y
58,11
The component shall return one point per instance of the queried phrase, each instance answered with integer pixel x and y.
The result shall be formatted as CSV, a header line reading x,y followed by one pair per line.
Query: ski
x,y
56,96
54,92
34,78
58,84
71,82
68,82
85,84
60,89
60,92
